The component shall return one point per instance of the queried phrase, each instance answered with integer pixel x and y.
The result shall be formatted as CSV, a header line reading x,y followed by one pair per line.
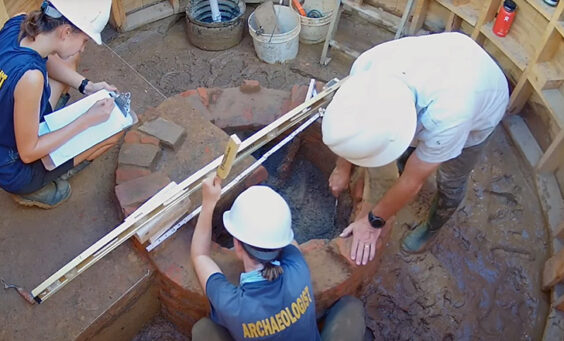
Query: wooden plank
x,y
553,157
509,45
147,15
453,22
541,6
486,15
521,135
553,271
374,15
118,15
520,95
14,7
466,9
345,49
3,13
554,100
160,224
548,75
419,15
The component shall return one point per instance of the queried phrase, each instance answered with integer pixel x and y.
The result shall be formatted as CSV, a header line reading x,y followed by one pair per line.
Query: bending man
x,y
429,102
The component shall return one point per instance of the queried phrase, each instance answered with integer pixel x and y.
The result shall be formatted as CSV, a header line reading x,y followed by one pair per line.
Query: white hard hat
x,y
90,16
260,217
371,119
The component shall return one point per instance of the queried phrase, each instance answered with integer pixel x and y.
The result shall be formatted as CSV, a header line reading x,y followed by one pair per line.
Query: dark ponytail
x,y
271,267
38,22
270,271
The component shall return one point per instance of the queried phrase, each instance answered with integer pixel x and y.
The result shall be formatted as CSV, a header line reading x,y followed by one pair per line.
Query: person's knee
x,y
352,305
198,326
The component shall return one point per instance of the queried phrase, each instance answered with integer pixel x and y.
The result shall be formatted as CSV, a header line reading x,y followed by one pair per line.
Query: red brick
x,y
146,139
259,175
203,92
137,191
139,155
250,86
214,94
312,245
132,136
127,211
127,173
188,93
297,95
344,247
150,114
169,133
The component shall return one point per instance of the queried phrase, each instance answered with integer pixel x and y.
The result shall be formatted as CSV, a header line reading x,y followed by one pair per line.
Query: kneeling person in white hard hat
x,y
38,58
430,103
274,300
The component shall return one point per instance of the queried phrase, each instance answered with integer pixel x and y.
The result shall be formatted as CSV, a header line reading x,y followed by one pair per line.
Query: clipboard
x,y
117,122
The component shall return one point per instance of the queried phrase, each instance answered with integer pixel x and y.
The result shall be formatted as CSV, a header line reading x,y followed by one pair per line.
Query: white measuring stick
x,y
235,181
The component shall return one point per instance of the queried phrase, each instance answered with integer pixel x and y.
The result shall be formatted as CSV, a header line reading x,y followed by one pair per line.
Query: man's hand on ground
x,y
363,248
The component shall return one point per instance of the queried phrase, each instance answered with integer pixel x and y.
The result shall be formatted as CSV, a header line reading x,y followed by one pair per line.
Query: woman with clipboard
x,y
37,51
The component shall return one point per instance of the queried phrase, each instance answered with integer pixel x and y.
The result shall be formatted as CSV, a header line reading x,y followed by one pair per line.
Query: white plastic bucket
x,y
314,30
281,47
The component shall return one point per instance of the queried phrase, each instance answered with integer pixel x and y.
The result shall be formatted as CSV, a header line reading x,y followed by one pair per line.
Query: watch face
x,y
376,221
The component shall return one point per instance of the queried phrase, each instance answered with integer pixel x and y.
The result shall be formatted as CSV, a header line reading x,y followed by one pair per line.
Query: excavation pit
x,y
299,171
301,176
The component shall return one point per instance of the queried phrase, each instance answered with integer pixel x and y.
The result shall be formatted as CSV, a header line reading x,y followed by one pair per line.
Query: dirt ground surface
x,y
479,281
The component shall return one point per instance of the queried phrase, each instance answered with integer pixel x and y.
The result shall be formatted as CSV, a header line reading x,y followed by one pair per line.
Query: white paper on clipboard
x,y
91,136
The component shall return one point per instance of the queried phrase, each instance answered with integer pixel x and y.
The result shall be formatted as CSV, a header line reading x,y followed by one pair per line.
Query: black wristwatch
x,y
83,85
375,221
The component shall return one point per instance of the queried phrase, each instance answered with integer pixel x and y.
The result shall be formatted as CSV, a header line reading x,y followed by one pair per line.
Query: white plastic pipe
x,y
216,15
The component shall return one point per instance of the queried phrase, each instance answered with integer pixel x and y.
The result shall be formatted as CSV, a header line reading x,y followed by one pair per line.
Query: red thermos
x,y
504,18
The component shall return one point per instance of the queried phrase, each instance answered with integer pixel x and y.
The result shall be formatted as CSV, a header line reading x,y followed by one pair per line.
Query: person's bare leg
x,y
58,88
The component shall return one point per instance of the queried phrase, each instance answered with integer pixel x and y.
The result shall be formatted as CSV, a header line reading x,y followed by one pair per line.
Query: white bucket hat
x,y
261,218
90,16
371,120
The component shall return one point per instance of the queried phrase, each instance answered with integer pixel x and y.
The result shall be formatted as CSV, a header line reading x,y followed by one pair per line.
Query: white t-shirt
x,y
460,92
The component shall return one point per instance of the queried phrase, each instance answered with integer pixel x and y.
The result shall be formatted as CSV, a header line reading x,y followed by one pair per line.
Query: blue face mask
x,y
255,275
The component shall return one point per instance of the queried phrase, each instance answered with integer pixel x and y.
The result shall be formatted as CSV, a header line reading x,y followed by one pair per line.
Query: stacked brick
x,y
136,178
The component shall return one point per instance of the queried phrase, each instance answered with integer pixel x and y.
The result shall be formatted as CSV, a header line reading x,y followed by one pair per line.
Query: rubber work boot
x,y
417,240
62,102
74,171
47,197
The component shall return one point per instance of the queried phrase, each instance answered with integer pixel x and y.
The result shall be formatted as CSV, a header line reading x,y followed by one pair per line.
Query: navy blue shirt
x,y
15,61
283,309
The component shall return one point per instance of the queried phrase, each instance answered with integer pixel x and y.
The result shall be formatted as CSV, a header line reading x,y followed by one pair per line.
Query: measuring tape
x,y
235,181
